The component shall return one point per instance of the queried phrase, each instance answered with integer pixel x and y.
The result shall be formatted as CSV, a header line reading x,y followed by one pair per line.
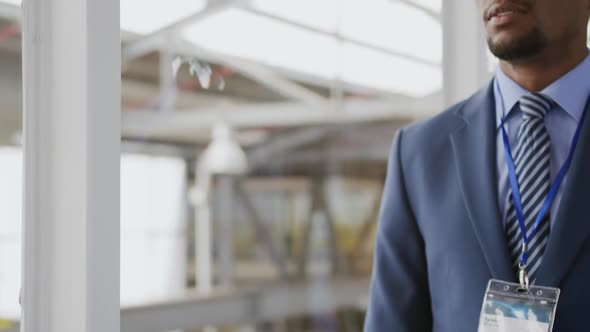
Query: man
x,y
448,223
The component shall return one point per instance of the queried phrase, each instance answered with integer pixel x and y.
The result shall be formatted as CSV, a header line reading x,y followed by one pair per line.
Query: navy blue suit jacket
x,y
440,237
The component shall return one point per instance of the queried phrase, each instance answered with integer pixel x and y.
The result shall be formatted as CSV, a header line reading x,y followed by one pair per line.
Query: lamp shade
x,y
224,156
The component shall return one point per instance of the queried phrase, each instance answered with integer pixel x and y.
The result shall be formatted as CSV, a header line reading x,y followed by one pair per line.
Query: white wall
x,y
153,240
10,231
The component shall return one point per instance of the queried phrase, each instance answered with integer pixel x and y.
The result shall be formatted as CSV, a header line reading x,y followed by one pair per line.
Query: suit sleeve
x,y
399,298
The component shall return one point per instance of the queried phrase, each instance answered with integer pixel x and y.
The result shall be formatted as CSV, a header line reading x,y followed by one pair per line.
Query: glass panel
x,y
323,14
282,113
435,5
370,68
242,34
153,239
255,143
391,22
147,16
394,26
10,231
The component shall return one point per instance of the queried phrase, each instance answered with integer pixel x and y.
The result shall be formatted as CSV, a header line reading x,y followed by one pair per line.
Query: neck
x,y
537,73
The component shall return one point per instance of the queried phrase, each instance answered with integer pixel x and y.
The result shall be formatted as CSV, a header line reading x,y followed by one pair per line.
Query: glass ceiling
x,y
383,23
435,5
147,16
240,33
376,49
387,45
299,36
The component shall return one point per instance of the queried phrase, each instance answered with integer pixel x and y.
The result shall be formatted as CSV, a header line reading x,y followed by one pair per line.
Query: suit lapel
x,y
572,226
474,146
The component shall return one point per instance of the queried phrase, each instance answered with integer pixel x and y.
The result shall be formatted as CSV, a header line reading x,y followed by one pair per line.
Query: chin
x,y
509,45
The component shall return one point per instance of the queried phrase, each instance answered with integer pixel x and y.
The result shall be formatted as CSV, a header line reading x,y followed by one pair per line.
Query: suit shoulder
x,y
439,126
433,130
422,142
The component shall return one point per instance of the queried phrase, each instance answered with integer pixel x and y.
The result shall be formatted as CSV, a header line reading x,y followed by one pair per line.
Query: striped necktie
x,y
532,160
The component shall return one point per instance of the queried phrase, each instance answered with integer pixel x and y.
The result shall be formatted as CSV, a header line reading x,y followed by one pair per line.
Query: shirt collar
x,y
570,91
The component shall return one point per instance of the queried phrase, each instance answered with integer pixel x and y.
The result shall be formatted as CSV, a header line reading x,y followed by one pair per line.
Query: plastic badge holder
x,y
509,308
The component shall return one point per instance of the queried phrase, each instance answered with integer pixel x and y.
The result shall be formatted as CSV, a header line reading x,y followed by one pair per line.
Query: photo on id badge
x,y
515,315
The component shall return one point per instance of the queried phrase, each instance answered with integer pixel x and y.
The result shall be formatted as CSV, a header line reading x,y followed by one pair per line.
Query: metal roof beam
x,y
157,39
283,143
250,68
432,13
369,46
189,122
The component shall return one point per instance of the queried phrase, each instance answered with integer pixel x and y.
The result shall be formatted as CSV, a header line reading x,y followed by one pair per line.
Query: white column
x,y
168,89
225,204
464,50
71,81
203,230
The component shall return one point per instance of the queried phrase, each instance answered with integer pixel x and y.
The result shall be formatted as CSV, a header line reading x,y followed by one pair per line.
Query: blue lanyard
x,y
552,191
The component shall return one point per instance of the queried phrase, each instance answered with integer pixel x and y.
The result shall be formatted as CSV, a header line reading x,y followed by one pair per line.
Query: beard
x,y
521,48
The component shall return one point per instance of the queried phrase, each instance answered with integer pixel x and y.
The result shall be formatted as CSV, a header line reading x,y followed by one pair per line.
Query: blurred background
x,y
255,137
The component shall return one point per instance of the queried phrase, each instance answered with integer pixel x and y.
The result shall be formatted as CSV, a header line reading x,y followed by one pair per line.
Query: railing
x,y
245,306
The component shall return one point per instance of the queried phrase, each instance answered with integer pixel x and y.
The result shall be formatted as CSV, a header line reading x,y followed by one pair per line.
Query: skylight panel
x,y
242,34
435,5
386,24
147,16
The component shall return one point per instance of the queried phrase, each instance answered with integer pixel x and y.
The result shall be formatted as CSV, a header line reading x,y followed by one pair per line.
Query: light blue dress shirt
x,y
571,93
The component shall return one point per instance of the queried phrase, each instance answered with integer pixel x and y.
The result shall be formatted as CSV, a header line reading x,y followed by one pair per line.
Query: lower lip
x,y
505,18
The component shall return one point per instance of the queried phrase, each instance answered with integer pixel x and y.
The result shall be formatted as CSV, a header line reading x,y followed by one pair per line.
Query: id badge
x,y
509,308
